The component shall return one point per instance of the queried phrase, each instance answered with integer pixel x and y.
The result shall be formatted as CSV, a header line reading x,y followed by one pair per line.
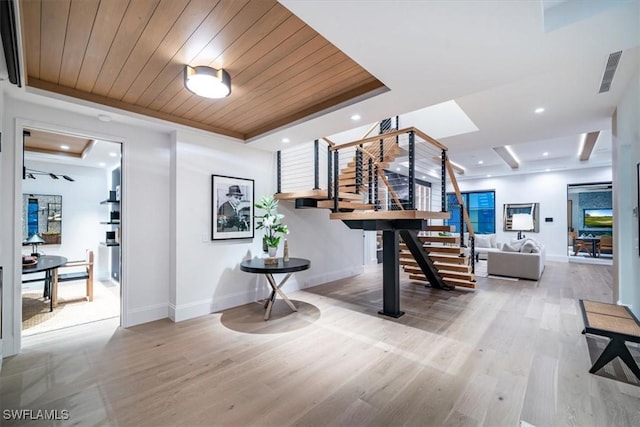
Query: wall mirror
x,y
42,214
521,208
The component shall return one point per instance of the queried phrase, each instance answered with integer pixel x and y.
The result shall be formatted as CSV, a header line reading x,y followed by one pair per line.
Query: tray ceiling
x,y
131,54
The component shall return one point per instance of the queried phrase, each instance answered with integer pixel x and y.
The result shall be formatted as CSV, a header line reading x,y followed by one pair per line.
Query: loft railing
x,y
388,170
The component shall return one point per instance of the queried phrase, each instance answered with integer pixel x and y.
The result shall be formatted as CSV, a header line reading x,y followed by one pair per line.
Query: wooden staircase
x,y
382,153
448,257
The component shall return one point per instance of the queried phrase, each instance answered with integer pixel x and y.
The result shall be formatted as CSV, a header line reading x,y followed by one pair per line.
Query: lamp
x,y
521,222
31,173
35,240
207,82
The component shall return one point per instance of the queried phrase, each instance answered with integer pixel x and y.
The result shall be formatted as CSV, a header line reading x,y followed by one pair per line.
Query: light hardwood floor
x,y
508,353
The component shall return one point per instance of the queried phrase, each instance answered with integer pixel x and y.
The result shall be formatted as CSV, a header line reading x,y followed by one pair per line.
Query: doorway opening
x,y
590,223
71,218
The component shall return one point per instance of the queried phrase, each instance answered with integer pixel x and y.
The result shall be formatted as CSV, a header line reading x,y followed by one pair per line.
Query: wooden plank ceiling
x,y
53,143
130,54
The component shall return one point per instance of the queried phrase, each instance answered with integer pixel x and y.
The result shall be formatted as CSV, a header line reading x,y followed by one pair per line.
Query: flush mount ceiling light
x,y
207,82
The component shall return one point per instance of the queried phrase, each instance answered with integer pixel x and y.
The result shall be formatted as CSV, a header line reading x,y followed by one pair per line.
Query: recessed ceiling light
x,y
547,170
480,162
64,147
546,153
423,177
104,117
102,164
112,154
355,117
285,140
397,169
539,110
488,175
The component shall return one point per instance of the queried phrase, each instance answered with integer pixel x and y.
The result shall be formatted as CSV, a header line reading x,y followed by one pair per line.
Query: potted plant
x,y
271,222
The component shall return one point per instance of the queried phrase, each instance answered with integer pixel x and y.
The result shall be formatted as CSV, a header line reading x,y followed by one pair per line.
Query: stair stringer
x,y
410,238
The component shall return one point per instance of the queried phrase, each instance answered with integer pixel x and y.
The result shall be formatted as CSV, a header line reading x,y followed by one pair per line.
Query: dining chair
x,y
605,245
86,274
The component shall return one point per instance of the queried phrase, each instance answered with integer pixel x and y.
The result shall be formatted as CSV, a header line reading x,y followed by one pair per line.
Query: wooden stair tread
x,y
448,258
389,215
452,267
448,281
456,274
445,228
440,239
443,249
328,204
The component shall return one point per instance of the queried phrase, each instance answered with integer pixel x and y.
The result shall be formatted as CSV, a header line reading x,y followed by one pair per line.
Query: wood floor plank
x,y
507,354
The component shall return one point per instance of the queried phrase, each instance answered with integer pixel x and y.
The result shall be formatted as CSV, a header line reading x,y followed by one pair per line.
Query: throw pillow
x,y
517,244
494,243
508,248
528,247
483,241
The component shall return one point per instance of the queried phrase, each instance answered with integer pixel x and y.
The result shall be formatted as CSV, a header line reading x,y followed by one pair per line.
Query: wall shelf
x,y
108,244
106,202
110,222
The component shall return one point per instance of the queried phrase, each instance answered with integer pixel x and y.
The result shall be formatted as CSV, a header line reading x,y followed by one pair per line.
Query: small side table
x,y
257,265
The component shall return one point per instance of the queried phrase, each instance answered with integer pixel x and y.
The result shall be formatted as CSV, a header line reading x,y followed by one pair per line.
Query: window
x,y
481,206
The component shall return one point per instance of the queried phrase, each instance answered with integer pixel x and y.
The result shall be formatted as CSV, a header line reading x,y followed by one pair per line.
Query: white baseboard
x,y
332,276
204,307
147,314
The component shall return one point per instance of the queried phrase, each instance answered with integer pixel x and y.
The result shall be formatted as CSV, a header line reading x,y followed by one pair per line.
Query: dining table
x,y
47,264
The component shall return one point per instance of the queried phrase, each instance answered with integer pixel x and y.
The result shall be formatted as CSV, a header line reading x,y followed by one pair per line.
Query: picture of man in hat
x,y
229,215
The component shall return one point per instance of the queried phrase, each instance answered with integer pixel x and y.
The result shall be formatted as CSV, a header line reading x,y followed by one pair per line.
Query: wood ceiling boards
x,y
51,143
130,54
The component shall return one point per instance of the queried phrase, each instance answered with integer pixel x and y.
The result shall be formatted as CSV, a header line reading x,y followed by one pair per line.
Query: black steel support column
x,y
358,169
279,172
336,189
443,181
412,170
329,173
316,166
390,274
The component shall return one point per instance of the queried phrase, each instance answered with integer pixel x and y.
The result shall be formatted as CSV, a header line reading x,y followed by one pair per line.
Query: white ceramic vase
x,y
272,251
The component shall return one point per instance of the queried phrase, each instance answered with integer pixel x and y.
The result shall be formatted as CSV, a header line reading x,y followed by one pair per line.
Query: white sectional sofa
x,y
524,259
484,243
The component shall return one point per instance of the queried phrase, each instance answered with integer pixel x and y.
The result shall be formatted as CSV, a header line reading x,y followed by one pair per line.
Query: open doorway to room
x,y
590,222
71,220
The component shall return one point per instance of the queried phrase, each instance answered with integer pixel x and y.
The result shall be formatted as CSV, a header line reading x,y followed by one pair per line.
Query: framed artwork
x,y
532,209
231,208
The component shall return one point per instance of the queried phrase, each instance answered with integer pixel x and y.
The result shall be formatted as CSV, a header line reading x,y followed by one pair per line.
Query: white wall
x,y
550,190
207,277
145,209
626,155
81,211
3,206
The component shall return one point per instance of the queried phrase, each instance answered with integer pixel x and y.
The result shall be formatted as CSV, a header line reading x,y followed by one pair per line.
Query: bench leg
x,y
616,347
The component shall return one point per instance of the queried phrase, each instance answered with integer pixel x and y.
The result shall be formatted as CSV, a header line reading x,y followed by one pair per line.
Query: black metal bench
x,y
617,323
